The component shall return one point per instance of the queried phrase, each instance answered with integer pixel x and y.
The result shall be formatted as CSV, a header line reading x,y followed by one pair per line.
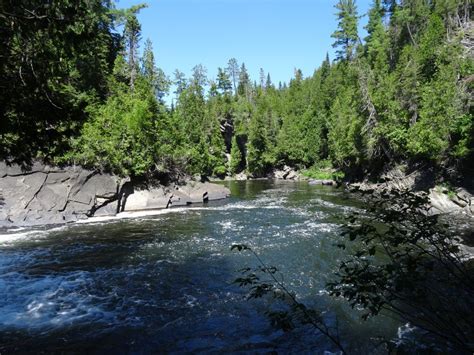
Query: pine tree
x,y
234,72
52,66
132,33
268,83
244,82
154,76
223,81
180,82
346,36
256,146
262,78
199,76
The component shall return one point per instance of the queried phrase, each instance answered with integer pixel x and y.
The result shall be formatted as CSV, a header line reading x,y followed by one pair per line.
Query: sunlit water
x,y
164,283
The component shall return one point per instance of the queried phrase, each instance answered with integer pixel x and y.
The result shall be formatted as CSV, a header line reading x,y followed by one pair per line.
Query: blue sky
x,y
276,35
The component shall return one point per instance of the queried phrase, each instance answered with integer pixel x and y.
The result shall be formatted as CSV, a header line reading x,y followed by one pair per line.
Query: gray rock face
x,y
322,182
146,200
459,201
158,198
198,192
51,195
441,200
241,177
287,173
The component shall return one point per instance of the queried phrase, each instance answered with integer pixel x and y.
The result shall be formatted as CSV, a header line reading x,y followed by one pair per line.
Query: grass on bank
x,y
323,170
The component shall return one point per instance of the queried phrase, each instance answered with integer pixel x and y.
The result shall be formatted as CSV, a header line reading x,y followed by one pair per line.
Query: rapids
x,y
162,282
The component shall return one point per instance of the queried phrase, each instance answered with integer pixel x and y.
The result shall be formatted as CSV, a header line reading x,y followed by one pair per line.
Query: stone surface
x,y
287,173
292,175
241,177
51,195
199,192
140,200
322,182
442,200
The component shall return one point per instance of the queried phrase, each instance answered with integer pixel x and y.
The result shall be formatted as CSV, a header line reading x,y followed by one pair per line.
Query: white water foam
x,y
48,301
20,234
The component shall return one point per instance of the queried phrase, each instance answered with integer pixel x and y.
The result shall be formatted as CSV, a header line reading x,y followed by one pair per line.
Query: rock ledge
x,y
52,195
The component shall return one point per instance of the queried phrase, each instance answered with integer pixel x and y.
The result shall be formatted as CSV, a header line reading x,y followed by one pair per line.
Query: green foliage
x,y
346,35
323,170
55,58
403,94
443,116
257,146
120,136
235,165
419,273
345,125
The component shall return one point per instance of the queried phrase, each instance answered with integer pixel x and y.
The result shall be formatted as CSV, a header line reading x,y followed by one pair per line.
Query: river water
x,y
164,283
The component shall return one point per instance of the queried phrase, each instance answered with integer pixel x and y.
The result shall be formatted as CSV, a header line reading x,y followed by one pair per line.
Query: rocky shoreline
x,y
286,173
55,195
443,200
44,195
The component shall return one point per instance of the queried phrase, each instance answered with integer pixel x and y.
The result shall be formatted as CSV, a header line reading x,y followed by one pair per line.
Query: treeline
x,y
76,91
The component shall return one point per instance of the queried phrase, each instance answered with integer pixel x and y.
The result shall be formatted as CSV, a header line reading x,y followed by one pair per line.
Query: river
x,y
164,283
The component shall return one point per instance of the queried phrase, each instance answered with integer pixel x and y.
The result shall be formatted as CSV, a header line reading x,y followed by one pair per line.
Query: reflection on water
x,y
163,283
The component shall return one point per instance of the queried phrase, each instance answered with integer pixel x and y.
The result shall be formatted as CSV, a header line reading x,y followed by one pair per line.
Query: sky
x,y
276,35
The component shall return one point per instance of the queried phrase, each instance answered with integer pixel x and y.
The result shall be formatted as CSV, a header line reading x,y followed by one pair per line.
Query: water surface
x,y
164,283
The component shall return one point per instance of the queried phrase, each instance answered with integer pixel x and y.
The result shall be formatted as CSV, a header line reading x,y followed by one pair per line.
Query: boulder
x,y
441,203
199,192
179,198
292,175
140,200
241,177
322,182
287,173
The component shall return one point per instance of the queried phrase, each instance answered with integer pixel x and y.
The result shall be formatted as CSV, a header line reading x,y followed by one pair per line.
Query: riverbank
x,y
444,198
45,195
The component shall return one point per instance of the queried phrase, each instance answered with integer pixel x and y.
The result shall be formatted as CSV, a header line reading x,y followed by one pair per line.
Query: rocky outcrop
x,y
287,173
442,200
241,177
165,197
322,182
52,195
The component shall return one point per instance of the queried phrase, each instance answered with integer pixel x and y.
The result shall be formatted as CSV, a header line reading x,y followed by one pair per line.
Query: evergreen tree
x,y
244,82
132,33
262,78
223,81
155,76
43,99
256,146
268,83
199,76
235,164
346,35
234,72
180,82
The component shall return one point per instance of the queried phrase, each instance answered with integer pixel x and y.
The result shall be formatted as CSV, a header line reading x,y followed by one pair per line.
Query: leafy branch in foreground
x,y
407,262
272,286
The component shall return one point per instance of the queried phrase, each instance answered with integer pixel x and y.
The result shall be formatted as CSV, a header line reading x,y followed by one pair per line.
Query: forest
x,y
78,88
